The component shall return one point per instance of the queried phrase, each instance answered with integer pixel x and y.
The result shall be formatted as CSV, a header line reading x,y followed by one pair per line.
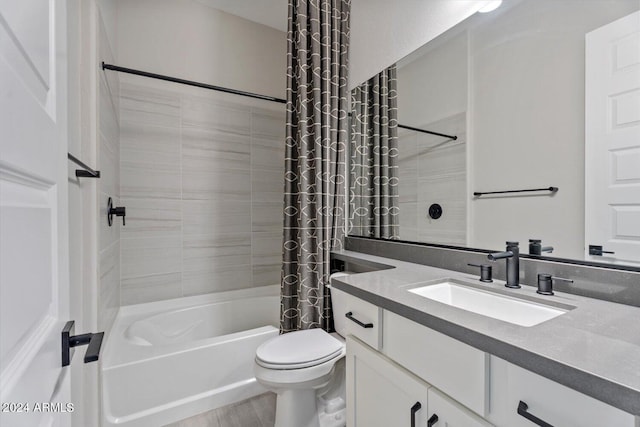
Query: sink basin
x,y
513,310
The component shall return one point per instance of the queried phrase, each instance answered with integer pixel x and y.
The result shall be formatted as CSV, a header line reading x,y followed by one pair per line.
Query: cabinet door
x,y
380,393
444,412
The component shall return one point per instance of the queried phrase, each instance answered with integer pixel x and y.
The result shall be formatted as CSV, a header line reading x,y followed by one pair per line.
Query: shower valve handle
x,y
117,211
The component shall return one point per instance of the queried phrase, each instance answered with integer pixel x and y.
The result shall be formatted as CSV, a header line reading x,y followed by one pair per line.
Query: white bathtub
x,y
170,360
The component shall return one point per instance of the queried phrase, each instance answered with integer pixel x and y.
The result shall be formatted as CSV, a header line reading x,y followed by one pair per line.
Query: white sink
x,y
512,310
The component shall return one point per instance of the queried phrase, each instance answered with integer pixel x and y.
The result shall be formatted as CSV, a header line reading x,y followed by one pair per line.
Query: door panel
x,y
612,151
33,209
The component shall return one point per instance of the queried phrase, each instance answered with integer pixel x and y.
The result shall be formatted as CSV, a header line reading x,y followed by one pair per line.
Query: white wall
x,y
186,39
383,31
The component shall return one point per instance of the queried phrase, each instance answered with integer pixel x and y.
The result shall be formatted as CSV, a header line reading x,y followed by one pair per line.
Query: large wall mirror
x,y
539,95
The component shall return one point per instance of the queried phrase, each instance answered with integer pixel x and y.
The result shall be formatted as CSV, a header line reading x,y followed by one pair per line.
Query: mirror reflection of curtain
x,y
374,210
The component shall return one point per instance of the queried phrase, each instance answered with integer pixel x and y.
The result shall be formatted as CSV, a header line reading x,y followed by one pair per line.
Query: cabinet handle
x,y
353,319
415,408
432,421
523,411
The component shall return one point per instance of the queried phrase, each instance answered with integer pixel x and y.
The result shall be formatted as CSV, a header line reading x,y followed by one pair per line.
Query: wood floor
x,y
259,411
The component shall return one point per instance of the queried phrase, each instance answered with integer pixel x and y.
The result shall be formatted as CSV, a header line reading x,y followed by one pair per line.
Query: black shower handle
x,y
117,211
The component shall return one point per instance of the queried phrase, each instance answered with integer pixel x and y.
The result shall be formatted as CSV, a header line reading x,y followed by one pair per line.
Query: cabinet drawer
x,y
547,400
361,319
453,367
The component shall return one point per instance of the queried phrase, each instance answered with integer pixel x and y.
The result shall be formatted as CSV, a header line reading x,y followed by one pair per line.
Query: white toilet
x,y
306,370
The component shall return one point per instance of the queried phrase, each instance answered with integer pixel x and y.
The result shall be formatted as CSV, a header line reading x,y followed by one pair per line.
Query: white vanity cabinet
x,y
451,366
462,386
380,393
546,400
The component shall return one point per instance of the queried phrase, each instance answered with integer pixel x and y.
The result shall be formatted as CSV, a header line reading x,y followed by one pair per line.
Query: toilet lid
x,y
298,349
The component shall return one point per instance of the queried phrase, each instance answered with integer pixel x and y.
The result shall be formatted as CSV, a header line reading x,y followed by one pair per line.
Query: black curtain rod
x,y
453,137
192,83
232,91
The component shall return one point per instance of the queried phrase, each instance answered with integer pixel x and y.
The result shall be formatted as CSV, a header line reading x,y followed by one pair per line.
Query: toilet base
x,y
296,408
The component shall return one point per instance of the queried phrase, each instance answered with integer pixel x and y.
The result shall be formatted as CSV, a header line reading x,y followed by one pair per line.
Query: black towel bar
x,y
86,172
551,189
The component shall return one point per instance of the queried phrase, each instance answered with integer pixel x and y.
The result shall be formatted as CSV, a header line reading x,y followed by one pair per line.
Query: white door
x,y
612,130
33,212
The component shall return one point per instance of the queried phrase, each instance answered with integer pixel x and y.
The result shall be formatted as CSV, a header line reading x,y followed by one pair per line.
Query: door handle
x,y
523,411
432,420
69,341
597,250
415,408
349,316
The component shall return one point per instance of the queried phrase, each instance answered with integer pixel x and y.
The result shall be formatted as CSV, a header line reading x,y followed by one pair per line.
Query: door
x,y
33,213
612,131
380,393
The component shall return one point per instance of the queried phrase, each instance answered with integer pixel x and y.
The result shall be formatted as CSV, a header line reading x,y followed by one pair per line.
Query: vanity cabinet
x,y
380,393
546,400
408,364
453,367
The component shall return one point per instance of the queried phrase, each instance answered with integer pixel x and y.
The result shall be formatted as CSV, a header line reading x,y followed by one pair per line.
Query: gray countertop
x,y
594,348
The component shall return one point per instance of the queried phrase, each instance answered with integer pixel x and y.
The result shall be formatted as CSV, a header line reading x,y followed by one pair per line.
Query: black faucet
x,y
512,255
536,248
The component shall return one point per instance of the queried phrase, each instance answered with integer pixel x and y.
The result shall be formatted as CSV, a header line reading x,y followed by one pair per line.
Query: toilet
x,y
306,369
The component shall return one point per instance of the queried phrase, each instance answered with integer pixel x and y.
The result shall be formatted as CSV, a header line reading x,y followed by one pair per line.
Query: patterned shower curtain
x,y
316,139
373,191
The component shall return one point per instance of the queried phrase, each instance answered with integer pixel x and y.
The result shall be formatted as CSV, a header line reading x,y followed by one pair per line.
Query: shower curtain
x,y
373,191
316,138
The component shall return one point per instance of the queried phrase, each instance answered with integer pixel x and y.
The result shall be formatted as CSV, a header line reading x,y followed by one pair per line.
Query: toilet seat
x,y
298,350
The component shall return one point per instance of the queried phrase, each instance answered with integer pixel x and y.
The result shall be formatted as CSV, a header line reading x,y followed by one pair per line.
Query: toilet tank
x,y
339,305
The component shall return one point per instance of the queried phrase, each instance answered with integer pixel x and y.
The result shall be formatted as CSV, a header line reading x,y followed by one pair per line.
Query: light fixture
x,y
491,5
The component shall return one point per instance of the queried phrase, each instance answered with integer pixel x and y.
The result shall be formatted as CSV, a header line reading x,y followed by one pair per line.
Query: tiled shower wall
x,y
202,181
432,169
108,150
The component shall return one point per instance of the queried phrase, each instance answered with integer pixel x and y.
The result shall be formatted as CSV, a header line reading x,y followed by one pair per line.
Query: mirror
x,y
498,104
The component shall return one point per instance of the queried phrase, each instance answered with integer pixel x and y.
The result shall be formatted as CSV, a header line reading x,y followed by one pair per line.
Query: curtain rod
x,y
192,83
232,91
453,137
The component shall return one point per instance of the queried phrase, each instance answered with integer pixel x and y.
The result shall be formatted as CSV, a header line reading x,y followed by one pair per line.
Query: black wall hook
x,y
117,211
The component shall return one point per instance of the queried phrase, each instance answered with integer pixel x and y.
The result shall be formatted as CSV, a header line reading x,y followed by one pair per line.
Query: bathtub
x,y
169,360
